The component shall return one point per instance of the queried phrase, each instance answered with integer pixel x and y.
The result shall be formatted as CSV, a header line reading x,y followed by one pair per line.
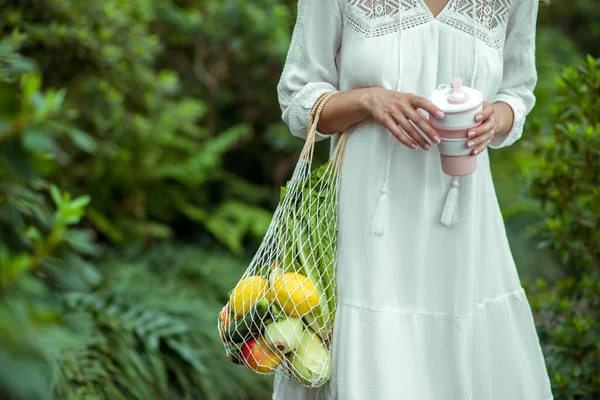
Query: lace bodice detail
x,y
373,18
491,19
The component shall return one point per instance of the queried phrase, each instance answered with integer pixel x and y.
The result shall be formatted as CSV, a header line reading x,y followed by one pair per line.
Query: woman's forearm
x,y
353,106
344,110
394,110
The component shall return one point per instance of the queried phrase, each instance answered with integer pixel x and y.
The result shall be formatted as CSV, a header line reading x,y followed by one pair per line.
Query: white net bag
x,y
280,316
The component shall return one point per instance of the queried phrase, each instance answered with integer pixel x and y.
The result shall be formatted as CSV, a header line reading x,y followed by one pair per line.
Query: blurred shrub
x,y
578,19
564,176
566,316
145,160
121,135
42,251
149,331
234,61
140,327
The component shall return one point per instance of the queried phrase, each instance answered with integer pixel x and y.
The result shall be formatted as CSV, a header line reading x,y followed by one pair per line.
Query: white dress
x,y
425,311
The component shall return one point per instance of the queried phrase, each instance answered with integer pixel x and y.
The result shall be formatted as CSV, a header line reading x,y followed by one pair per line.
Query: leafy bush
x,y
149,331
566,171
42,251
564,176
120,134
142,329
234,61
566,316
576,18
145,160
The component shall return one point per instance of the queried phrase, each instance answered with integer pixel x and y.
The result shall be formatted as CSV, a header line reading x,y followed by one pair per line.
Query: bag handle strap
x,y
313,121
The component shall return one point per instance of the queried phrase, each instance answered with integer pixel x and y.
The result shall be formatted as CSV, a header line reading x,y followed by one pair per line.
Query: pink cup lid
x,y
455,97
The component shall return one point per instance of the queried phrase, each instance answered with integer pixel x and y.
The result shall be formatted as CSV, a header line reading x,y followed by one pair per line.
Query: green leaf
x,y
148,229
82,140
80,202
17,160
11,215
81,241
233,220
56,196
36,139
102,224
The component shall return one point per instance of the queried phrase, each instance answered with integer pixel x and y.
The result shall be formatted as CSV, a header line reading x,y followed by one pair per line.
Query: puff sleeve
x,y
310,68
519,71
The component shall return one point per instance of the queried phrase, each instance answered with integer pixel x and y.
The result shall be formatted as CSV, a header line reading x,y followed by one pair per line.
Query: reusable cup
x,y
460,104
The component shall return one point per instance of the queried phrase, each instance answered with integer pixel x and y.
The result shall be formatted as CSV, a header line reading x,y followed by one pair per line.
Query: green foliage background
x,y
141,152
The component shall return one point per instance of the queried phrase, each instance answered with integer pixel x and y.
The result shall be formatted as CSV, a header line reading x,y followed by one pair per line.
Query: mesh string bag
x,y
280,316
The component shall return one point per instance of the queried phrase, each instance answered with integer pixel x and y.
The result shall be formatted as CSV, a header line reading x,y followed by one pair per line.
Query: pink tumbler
x,y
460,104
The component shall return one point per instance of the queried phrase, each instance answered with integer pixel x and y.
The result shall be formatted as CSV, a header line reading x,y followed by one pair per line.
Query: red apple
x,y
259,357
224,322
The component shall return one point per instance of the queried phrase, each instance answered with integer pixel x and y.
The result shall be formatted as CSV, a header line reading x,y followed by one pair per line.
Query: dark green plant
x,y
564,178
565,175
119,129
42,250
566,316
578,19
234,60
147,161
149,331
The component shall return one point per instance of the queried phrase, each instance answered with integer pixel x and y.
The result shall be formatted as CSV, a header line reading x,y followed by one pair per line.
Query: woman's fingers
x,y
479,142
485,113
485,127
412,132
482,146
422,102
420,121
393,127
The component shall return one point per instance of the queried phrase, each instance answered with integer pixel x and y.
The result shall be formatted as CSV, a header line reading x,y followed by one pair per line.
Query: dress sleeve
x,y
520,75
310,69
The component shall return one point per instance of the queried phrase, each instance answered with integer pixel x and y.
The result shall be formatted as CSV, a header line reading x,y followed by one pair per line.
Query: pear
x,y
311,361
284,335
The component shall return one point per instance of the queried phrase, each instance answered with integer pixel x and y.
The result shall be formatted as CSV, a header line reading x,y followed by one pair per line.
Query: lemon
x,y
247,292
295,294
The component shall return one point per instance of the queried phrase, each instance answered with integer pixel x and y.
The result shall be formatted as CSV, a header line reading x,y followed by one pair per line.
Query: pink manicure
x,y
439,115
471,133
479,117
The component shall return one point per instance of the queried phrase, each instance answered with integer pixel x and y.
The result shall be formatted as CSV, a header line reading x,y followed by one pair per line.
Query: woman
x,y
426,310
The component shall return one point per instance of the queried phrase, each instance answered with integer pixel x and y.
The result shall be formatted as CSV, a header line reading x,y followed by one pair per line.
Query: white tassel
x,y
380,213
450,212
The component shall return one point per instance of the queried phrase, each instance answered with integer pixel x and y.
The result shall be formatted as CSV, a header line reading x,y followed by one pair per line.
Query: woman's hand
x,y
395,110
497,119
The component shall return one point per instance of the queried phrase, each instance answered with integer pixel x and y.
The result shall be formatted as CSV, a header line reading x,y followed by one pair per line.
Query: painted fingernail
x,y
439,115
471,133
427,147
470,144
475,152
436,139
478,117
414,146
